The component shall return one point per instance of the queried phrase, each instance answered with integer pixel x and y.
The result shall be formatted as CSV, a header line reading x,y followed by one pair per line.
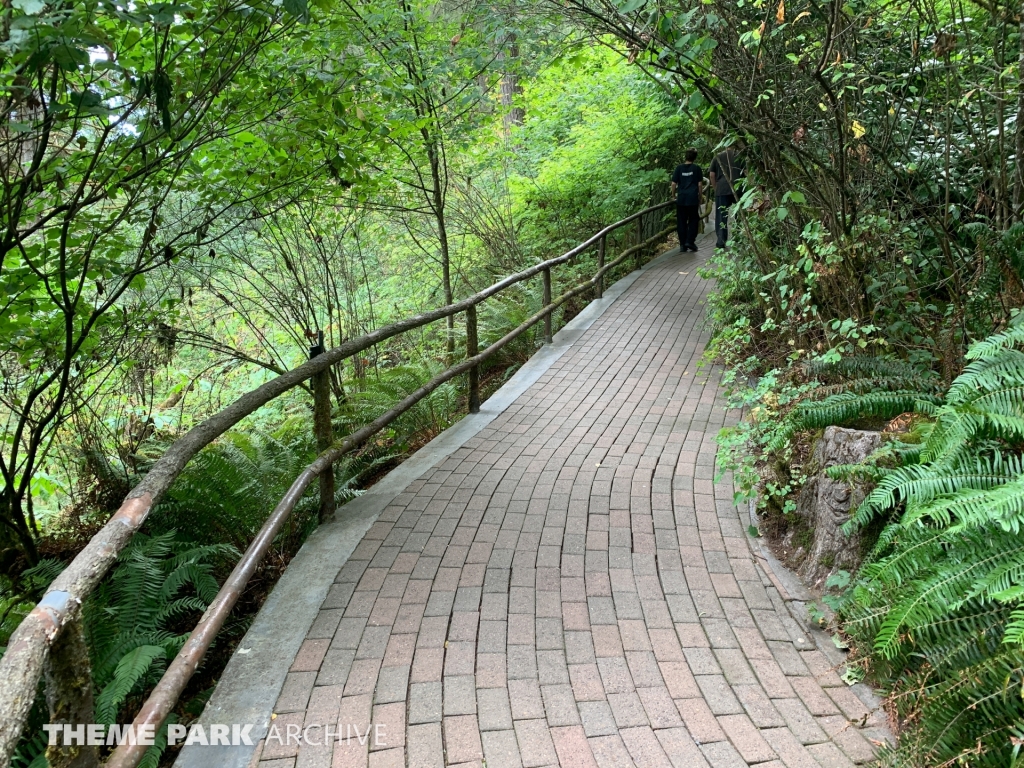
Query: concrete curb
x,y
255,675
797,598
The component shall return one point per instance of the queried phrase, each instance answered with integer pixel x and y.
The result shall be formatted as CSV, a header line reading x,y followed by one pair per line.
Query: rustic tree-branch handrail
x,y
165,695
21,667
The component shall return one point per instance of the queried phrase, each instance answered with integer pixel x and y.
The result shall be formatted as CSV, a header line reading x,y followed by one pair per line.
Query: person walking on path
x,y
687,183
724,174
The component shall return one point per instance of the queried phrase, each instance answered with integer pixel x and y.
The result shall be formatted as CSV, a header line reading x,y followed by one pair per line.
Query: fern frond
x,y
866,367
182,606
918,484
939,603
190,574
842,408
1015,628
129,671
907,453
957,640
1007,368
966,719
868,384
997,343
846,407
975,507
148,593
1005,401
152,757
927,598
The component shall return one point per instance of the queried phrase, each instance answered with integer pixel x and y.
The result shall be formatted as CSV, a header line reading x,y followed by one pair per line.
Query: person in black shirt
x,y
687,182
724,175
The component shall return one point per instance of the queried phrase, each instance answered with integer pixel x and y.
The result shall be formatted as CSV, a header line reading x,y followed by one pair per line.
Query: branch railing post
x,y
472,349
322,427
68,675
601,245
547,302
639,256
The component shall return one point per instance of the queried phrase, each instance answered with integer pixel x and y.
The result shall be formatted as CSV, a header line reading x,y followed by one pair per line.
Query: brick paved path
x,y
571,588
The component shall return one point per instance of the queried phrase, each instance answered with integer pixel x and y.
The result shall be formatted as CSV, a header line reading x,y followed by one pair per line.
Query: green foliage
x,y
866,223
31,751
138,619
142,613
745,447
227,492
501,314
160,583
135,135
848,389
132,667
862,373
935,616
18,595
379,394
843,408
936,613
604,136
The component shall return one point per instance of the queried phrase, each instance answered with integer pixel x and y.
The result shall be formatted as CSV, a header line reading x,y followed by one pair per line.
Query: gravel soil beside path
x,y
571,587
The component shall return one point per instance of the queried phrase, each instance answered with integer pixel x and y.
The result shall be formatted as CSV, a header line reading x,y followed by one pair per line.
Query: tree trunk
x,y
1018,158
15,534
438,203
69,696
323,430
826,504
513,113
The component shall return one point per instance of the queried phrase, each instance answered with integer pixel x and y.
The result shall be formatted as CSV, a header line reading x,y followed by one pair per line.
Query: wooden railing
x,y
50,641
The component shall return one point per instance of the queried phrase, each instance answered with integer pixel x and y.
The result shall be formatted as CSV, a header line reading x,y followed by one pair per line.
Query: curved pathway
x,y
572,588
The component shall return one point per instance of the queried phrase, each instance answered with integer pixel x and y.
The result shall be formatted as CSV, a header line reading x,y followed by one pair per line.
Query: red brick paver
x,y
572,587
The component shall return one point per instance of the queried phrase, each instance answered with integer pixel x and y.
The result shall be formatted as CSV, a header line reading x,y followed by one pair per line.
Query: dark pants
x,y
687,224
722,203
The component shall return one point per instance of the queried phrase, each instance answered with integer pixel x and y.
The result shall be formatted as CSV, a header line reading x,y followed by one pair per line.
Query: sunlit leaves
x,y
139,133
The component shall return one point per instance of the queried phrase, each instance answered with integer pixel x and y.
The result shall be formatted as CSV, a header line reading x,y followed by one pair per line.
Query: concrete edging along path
x,y
253,679
556,582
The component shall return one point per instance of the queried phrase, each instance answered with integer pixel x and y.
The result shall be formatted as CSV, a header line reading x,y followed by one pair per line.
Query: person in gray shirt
x,y
724,175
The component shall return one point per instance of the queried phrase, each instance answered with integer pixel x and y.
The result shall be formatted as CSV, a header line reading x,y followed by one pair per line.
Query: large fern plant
x,y
937,614
141,614
379,394
855,388
135,622
227,492
140,617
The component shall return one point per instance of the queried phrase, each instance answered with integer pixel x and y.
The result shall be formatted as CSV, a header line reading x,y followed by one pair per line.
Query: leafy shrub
x,y
787,294
135,622
140,617
228,491
598,136
936,615
379,394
